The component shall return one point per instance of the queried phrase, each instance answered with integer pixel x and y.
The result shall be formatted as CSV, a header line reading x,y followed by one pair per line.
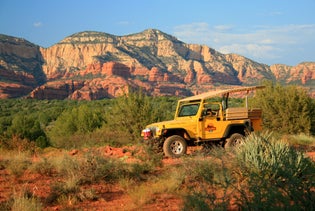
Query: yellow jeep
x,y
200,119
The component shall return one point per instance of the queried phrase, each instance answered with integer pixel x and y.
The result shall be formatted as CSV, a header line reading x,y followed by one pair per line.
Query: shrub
x,y
82,119
17,164
26,202
75,121
261,174
65,193
208,182
277,176
43,167
169,182
301,139
133,111
27,127
286,109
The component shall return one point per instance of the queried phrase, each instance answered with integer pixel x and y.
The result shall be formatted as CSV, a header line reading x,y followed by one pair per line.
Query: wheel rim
x,y
238,141
176,147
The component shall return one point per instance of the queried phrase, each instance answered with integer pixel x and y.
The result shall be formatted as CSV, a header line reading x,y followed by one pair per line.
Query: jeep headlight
x,y
146,133
150,132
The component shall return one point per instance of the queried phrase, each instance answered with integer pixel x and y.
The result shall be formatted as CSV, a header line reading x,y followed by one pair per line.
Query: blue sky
x,y
267,31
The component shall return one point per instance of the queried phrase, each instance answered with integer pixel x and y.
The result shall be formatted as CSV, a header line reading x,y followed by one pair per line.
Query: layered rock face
x,y
303,73
95,65
20,67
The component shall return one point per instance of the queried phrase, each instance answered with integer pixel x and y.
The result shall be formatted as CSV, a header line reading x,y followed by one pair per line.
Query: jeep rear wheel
x,y
175,146
234,140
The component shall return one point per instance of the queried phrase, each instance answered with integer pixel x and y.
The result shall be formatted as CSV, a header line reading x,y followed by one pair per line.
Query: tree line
x,y
68,123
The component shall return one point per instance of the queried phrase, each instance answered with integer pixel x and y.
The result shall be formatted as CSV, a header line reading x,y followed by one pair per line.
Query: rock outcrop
x,y
303,73
20,67
95,65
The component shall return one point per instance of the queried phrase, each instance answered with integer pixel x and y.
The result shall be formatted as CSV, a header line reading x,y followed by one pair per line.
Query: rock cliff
x,y
20,67
95,65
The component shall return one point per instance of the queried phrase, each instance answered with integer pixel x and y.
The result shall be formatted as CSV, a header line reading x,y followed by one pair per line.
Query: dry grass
x,y
264,173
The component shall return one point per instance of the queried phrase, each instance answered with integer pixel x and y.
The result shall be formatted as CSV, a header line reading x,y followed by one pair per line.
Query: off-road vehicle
x,y
200,119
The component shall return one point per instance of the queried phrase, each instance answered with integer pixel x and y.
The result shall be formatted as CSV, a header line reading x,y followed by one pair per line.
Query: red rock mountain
x,y
95,65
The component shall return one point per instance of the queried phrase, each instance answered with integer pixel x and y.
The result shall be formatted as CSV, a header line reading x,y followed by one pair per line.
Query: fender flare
x,y
237,128
176,131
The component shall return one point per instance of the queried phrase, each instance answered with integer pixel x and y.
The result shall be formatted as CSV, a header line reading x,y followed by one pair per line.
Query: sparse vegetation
x,y
269,171
264,172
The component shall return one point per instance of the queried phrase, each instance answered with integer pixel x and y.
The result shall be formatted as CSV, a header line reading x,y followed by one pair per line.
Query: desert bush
x,y
92,167
196,201
66,165
69,193
276,176
95,168
300,139
43,167
64,193
107,136
26,204
17,144
99,137
208,182
264,173
18,163
169,182
286,109
148,155
26,201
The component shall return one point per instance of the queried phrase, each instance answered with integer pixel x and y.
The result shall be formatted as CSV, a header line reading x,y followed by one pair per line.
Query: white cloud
x,y
267,41
267,44
123,23
257,51
223,27
37,24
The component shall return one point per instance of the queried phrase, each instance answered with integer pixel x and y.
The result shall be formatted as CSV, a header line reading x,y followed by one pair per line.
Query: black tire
x,y
175,146
234,140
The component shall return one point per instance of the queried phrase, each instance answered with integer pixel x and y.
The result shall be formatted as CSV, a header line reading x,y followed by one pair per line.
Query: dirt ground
x,y
110,196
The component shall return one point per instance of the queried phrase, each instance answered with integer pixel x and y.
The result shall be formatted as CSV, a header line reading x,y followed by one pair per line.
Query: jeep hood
x,y
162,124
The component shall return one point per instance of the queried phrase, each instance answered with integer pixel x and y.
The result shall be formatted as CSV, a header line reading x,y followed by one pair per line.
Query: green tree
x,y
286,109
27,127
88,118
132,112
82,119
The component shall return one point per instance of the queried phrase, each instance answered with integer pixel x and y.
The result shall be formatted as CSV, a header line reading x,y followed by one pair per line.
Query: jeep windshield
x,y
188,110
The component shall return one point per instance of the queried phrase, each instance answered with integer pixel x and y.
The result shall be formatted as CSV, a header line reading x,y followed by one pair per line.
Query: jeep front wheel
x,y
175,146
235,139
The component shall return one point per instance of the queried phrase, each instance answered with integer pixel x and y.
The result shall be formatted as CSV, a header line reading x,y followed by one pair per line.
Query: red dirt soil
x,y
109,196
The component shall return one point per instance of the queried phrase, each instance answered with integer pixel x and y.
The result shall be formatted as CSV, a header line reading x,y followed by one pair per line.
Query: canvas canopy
x,y
210,94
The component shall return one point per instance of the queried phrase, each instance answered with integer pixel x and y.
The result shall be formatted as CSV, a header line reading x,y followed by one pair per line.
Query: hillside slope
x,y
93,65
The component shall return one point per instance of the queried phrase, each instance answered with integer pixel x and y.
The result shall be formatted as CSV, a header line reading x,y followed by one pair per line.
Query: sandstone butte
x,y
95,65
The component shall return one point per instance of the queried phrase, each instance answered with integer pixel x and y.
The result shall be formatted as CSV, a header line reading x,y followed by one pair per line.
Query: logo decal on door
x,y
210,128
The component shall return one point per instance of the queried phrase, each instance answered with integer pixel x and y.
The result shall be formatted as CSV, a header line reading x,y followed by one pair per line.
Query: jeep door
x,y
211,124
